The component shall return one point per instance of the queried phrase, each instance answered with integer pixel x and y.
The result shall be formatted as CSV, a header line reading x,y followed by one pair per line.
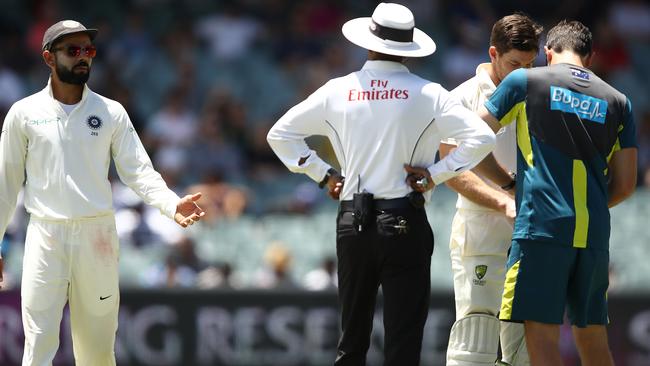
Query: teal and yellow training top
x,y
569,122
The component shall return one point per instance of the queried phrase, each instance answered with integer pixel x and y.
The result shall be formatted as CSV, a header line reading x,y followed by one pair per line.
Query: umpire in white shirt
x,y
63,138
379,120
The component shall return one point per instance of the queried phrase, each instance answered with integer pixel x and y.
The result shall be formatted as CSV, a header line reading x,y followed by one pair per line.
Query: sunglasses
x,y
75,51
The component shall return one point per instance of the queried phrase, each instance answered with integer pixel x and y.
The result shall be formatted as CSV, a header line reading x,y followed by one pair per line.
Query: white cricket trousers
x,y
478,250
74,261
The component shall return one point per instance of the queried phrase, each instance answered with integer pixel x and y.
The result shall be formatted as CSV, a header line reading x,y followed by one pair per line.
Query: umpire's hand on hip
x,y
187,211
335,185
419,178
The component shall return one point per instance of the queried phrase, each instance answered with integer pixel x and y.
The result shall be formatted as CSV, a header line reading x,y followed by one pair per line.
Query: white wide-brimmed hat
x,y
391,30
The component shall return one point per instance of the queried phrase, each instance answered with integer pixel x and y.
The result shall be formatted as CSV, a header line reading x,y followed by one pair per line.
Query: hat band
x,y
391,34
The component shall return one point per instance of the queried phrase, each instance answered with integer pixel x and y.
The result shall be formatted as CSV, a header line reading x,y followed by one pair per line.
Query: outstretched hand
x,y
187,211
419,179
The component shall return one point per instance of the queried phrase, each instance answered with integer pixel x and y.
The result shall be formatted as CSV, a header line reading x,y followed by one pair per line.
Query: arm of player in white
x,y
13,152
474,139
136,170
489,167
472,187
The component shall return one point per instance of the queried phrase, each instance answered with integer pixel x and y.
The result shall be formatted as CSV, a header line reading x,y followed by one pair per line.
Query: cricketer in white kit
x,y
60,142
482,227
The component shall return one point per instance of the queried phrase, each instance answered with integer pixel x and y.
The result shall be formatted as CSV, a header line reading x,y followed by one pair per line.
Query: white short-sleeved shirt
x,y
378,119
472,94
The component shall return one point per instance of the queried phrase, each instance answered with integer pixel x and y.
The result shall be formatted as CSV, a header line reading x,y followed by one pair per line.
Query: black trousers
x,y
399,260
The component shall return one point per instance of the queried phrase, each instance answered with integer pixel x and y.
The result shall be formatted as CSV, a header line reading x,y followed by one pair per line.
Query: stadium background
x,y
203,81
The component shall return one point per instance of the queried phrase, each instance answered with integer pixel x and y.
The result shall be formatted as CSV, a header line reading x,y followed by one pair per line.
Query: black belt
x,y
382,204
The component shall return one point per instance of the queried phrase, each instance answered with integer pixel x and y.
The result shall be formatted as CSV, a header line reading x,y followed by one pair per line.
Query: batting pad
x,y
513,344
473,341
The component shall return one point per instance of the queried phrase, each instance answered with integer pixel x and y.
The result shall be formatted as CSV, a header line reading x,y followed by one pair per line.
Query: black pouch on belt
x,y
363,206
416,199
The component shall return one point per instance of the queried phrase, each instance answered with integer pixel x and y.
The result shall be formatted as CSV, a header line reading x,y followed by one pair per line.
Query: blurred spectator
x,y
611,53
133,228
276,275
304,199
631,19
175,124
323,277
263,162
220,200
169,134
324,18
218,152
643,132
45,13
132,46
172,161
142,233
231,115
298,43
12,87
140,225
460,60
219,276
474,11
170,68
229,33
122,94
180,268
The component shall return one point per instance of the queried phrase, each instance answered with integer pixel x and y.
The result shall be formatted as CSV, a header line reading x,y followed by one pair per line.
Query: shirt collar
x,y
84,93
485,83
384,65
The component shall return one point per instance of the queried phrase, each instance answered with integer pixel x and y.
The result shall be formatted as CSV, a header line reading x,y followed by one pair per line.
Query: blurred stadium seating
x,y
232,67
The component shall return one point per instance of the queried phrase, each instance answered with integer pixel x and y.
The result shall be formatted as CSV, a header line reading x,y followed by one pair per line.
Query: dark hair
x,y
374,55
54,44
516,31
570,35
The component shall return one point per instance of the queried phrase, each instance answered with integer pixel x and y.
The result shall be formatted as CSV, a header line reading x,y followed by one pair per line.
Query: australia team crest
x,y
480,272
94,122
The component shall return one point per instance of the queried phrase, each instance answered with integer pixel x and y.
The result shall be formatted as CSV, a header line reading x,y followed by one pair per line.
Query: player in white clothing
x,y
482,227
63,138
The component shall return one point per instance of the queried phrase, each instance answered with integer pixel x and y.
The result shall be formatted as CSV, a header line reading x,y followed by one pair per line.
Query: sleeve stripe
x,y
580,204
523,135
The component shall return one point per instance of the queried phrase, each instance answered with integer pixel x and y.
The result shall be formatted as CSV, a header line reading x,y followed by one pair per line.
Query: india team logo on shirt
x,y
94,122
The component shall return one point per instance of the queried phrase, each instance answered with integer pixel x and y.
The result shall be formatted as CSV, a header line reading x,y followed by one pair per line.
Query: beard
x,y
68,76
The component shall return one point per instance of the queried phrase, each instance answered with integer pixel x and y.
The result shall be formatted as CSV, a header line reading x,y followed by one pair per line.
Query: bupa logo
x,y
583,106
